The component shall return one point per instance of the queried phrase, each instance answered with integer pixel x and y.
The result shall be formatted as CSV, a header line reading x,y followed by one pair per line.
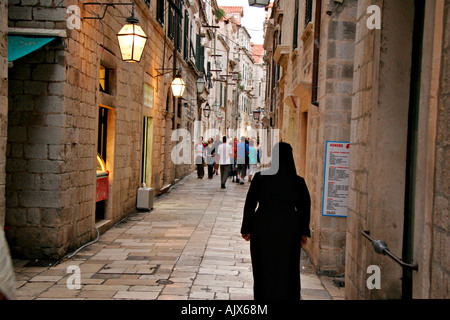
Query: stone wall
x,y
379,144
440,261
3,103
330,122
34,164
53,129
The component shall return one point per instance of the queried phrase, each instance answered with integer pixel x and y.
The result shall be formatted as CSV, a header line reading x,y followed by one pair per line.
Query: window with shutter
x,y
295,40
186,36
308,12
171,26
160,11
200,55
179,25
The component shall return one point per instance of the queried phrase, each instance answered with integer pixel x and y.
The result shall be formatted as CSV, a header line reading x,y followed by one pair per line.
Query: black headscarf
x,y
283,164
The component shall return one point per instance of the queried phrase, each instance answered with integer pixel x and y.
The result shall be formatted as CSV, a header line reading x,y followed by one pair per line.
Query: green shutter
x,y
200,55
295,40
171,26
186,36
179,30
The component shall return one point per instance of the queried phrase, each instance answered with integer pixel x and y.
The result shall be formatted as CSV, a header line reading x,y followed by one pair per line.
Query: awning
x,y
22,41
19,46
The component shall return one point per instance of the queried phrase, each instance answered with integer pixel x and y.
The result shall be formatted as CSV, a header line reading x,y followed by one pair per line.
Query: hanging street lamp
x,y
207,111
131,37
200,84
258,3
216,106
256,114
178,86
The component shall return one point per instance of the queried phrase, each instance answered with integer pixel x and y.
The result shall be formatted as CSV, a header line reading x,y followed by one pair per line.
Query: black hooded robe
x,y
276,228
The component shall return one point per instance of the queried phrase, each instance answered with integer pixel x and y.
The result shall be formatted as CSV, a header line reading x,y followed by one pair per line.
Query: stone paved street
x,y
187,247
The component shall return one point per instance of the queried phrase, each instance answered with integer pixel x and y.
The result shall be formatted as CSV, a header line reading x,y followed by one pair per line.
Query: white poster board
x,y
335,183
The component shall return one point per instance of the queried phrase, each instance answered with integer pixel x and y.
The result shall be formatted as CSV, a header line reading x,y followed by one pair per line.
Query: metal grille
x,y
339,282
41,263
164,281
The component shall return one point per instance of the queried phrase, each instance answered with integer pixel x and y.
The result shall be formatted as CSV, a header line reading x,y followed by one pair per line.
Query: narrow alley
x,y
188,247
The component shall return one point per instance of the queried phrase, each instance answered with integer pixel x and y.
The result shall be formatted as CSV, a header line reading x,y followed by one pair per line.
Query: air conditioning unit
x,y
145,198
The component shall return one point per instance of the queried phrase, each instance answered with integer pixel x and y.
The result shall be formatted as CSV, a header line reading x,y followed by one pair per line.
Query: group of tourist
x,y
236,159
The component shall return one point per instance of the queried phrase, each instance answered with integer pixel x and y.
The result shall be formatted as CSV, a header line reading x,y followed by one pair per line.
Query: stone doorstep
x,y
136,295
171,297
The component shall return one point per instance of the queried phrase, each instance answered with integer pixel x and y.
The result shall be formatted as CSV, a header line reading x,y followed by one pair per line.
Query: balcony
x,y
281,55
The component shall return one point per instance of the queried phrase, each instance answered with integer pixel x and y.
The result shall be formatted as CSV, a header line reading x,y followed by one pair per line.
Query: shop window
x,y
104,79
149,95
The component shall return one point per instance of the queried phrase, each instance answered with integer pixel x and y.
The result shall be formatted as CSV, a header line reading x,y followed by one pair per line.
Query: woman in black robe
x,y
276,222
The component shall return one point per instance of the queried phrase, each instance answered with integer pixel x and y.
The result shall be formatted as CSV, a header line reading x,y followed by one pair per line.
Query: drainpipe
x,y
315,75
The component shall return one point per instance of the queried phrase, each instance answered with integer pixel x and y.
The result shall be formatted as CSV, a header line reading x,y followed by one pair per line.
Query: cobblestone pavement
x,y
187,247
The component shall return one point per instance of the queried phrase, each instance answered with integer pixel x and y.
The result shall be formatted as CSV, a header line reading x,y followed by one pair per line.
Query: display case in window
x,y
102,180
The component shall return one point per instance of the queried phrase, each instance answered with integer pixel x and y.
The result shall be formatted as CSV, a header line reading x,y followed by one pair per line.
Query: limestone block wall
x,y
3,103
379,139
330,122
53,126
440,262
34,167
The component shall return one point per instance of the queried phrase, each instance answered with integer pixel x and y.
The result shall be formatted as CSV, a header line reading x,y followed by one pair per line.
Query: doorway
x,y
147,151
411,153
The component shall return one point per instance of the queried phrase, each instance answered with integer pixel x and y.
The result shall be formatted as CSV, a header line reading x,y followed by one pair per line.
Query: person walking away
x,y
253,160
199,160
210,153
7,277
234,165
216,144
225,153
276,222
242,152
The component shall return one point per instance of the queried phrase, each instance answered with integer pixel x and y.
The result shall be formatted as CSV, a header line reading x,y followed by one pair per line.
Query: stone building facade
x,y
307,127
380,69
75,98
3,103
399,132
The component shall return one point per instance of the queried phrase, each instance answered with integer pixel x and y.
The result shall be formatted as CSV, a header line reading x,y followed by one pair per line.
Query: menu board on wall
x,y
335,184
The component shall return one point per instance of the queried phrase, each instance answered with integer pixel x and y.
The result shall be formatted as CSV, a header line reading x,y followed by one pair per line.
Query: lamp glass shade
x,y
216,106
256,114
206,111
178,87
132,41
200,84
258,3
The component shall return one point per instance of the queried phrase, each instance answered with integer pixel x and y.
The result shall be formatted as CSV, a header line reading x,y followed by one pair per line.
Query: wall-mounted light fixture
x,y
200,84
178,85
131,37
256,114
207,110
216,106
258,3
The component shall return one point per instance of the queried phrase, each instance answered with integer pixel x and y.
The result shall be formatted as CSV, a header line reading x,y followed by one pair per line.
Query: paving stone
x,y
190,238
136,295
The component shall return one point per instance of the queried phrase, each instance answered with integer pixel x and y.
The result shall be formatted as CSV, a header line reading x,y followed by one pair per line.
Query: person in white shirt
x,y
7,279
199,158
225,153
